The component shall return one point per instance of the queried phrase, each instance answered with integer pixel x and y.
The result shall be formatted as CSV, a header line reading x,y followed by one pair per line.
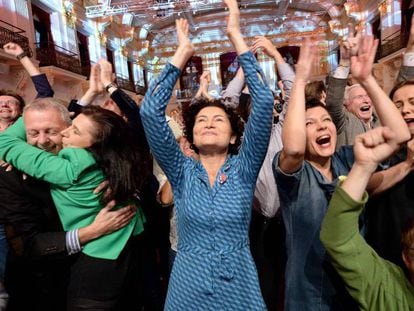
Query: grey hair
x,y
348,91
42,104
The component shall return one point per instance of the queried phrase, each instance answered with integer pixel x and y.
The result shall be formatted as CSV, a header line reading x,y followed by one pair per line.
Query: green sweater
x,y
73,175
375,283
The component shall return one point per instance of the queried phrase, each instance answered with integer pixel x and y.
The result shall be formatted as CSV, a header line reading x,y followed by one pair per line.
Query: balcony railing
x,y
391,44
50,54
125,83
11,33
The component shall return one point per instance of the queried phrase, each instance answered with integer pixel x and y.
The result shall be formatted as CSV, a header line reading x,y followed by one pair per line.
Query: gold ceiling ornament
x,y
102,38
338,29
353,11
124,51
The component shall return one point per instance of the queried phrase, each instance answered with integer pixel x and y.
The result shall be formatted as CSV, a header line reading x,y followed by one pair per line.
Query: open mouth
x,y
409,121
365,108
323,140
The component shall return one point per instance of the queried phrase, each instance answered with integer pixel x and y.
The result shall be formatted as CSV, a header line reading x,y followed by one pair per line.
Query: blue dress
x,y
214,269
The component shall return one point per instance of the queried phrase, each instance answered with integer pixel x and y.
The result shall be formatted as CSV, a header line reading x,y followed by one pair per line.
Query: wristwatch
x,y
112,84
21,55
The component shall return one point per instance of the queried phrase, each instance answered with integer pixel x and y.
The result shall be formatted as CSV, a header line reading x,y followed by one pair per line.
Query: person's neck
x,y
4,124
212,163
323,165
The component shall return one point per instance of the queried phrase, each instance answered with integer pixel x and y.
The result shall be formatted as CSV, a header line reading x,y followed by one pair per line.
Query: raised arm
x,y
286,73
337,83
39,79
361,69
293,152
257,130
159,135
126,104
231,95
407,68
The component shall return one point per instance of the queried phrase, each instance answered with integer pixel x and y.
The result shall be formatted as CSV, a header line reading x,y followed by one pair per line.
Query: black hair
x,y
117,154
190,112
313,102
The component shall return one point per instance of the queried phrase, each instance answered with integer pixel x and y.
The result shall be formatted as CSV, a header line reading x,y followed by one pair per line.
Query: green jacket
x,y
73,175
375,283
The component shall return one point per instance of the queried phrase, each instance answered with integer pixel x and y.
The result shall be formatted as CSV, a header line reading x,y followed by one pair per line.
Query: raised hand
x,y
373,147
204,83
266,45
185,48
233,23
350,46
106,73
182,28
12,48
306,60
205,79
361,64
95,84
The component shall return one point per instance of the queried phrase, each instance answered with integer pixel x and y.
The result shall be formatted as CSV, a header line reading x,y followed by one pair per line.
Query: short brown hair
x,y
400,85
15,95
313,90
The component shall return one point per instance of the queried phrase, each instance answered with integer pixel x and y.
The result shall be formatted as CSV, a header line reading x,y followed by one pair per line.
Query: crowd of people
x,y
251,201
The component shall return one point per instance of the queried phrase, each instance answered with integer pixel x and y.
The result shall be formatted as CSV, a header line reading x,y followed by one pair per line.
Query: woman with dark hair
x,y
96,147
307,170
213,195
236,123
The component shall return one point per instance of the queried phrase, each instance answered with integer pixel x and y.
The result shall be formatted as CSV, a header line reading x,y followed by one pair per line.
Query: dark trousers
x,y
38,285
267,244
101,284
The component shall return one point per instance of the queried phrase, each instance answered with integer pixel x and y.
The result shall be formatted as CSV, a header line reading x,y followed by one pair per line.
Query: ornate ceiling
x,y
148,25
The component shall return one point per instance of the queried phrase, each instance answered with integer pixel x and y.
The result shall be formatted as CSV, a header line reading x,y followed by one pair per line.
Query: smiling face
x,y
80,134
212,130
404,100
359,104
43,129
9,108
320,134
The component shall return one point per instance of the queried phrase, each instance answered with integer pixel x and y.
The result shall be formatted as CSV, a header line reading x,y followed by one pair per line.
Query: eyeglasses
x,y
360,97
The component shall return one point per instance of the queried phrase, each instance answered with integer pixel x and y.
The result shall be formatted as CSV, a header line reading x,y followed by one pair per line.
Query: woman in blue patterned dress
x,y
213,269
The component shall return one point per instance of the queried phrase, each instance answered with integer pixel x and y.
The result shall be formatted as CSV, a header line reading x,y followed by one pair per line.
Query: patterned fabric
x,y
213,269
